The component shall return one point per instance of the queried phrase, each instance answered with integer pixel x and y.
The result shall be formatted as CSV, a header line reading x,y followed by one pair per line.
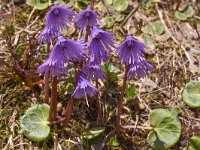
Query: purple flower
x,y
84,88
47,36
93,71
130,50
86,17
58,17
54,64
72,50
101,43
140,69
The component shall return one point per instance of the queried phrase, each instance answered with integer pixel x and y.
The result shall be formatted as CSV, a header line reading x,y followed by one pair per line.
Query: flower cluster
x,y
66,50
131,54
91,53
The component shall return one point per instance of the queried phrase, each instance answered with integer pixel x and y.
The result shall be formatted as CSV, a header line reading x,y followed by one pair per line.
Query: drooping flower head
x,y
130,50
47,35
54,64
73,51
139,69
84,88
57,18
100,44
84,18
93,71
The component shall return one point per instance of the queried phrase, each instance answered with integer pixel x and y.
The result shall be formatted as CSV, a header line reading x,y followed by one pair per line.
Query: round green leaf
x,y
155,27
166,129
108,2
191,94
158,27
157,115
149,41
184,12
119,18
180,16
120,5
107,22
38,4
34,123
189,12
148,29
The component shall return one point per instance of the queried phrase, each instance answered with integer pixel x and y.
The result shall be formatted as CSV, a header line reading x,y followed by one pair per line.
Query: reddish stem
x,y
98,105
53,103
68,111
46,81
46,87
119,110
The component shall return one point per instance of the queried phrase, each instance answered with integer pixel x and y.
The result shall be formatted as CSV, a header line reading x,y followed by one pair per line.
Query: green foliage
x,y
34,123
120,5
10,30
154,28
166,129
113,142
119,18
38,4
117,5
107,22
191,94
108,69
92,136
184,12
148,40
147,4
93,133
194,143
130,92
82,4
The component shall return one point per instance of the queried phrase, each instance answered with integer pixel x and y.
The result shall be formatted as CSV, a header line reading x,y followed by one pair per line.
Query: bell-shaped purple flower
x,y
93,71
84,18
100,44
130,50
47,35
58,17
84,88
54,64
73,51
139,69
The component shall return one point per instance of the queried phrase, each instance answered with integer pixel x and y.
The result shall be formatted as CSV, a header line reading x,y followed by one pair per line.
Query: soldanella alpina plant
x,y
86,55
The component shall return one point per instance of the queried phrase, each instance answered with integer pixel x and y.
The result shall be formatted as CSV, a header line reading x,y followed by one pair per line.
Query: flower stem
x,y
46,81
119,110
98,105
46,87
53,103
68,111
